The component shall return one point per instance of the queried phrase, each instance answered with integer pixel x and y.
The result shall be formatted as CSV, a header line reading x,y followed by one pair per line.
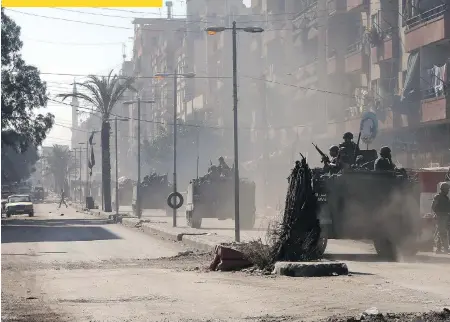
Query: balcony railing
x,y
307,13
426,16
354,48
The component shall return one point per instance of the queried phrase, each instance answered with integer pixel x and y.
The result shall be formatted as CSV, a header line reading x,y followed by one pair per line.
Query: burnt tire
x,y
193,220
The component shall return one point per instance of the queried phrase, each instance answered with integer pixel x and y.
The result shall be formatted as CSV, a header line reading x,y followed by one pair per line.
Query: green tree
x,y
23,92
60,163
17,166
104,92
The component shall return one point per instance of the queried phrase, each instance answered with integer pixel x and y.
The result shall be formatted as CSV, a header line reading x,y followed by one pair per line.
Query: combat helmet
x,y
385,150
334,148
444,187
348,135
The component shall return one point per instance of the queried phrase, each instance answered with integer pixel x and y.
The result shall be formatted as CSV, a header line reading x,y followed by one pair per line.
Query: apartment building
x,y
353,56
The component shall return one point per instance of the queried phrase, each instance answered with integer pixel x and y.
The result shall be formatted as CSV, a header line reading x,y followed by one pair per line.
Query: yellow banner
x,y
82,3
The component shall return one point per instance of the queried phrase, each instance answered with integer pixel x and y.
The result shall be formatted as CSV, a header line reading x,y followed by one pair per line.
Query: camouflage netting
x,y
297,235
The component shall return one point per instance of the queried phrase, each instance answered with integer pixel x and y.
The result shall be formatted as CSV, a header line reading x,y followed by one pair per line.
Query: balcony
x,y
306,17
429,27
357,4
354,60
435,109
383,51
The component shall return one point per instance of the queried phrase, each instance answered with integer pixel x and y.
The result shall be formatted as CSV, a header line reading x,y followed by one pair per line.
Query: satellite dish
x,y
368,127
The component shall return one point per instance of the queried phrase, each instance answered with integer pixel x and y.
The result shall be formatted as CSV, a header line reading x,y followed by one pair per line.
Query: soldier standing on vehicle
x,y
351,147
441,209
332,164
222,164
384,161
344,160
62,199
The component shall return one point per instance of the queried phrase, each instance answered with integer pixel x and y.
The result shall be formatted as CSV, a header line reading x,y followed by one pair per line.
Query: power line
x,y
73,43
150,77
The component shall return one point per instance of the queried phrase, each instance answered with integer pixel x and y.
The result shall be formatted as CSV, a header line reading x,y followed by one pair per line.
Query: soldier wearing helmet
x,y
384,161
331,164
441,209
334,152
351,147
222,164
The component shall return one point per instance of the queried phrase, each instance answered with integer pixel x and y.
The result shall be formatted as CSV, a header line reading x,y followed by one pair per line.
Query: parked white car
x,y
19,204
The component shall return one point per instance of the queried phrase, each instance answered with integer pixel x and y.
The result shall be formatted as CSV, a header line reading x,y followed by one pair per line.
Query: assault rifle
x,y
325,158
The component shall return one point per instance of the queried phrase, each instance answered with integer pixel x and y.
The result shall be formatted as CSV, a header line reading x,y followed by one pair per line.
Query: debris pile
x,y
295,238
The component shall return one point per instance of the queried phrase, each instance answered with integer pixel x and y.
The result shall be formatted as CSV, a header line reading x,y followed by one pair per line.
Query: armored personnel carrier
x,y
154,191
213,197
362,204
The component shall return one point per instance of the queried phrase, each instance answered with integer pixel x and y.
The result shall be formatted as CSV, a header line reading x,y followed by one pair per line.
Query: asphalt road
x,y
78,268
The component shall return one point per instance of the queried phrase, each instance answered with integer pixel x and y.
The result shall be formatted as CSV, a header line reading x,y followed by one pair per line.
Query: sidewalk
x,y
213,231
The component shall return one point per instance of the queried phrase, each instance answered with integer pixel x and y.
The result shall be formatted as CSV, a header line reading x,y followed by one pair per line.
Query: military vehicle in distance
x,y
154,191
214,198
363,204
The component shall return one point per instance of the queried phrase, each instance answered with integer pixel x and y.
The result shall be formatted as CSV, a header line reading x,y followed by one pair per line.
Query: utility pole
x,y
138,186
75,175
87,192
80,177
117,170
234,29
117,164
175,110
236,141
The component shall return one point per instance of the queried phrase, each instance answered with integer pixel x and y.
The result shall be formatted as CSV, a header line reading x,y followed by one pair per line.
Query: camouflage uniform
x,y
441,207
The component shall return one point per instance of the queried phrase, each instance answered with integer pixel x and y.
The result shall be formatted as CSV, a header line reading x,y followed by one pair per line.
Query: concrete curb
x,y
192,239
310,269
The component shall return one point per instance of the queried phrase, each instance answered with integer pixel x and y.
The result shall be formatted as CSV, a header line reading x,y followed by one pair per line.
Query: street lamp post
x,y
87,154
138,186
234,29
117,165
175,75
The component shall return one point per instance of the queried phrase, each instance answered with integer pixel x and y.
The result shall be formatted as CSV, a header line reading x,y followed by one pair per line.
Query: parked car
x,y
19,204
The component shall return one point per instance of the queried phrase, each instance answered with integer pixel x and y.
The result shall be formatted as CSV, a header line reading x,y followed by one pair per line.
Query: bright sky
x,y
57,46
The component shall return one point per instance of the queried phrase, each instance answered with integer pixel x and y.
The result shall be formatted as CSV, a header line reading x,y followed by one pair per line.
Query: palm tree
x,y
60,163
103,93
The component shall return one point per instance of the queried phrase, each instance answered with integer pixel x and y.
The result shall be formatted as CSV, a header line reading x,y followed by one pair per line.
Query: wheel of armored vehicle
x,y
193,219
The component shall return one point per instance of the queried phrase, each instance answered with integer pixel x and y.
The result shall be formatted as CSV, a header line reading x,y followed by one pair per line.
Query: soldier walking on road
x,y
62,199
441,208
